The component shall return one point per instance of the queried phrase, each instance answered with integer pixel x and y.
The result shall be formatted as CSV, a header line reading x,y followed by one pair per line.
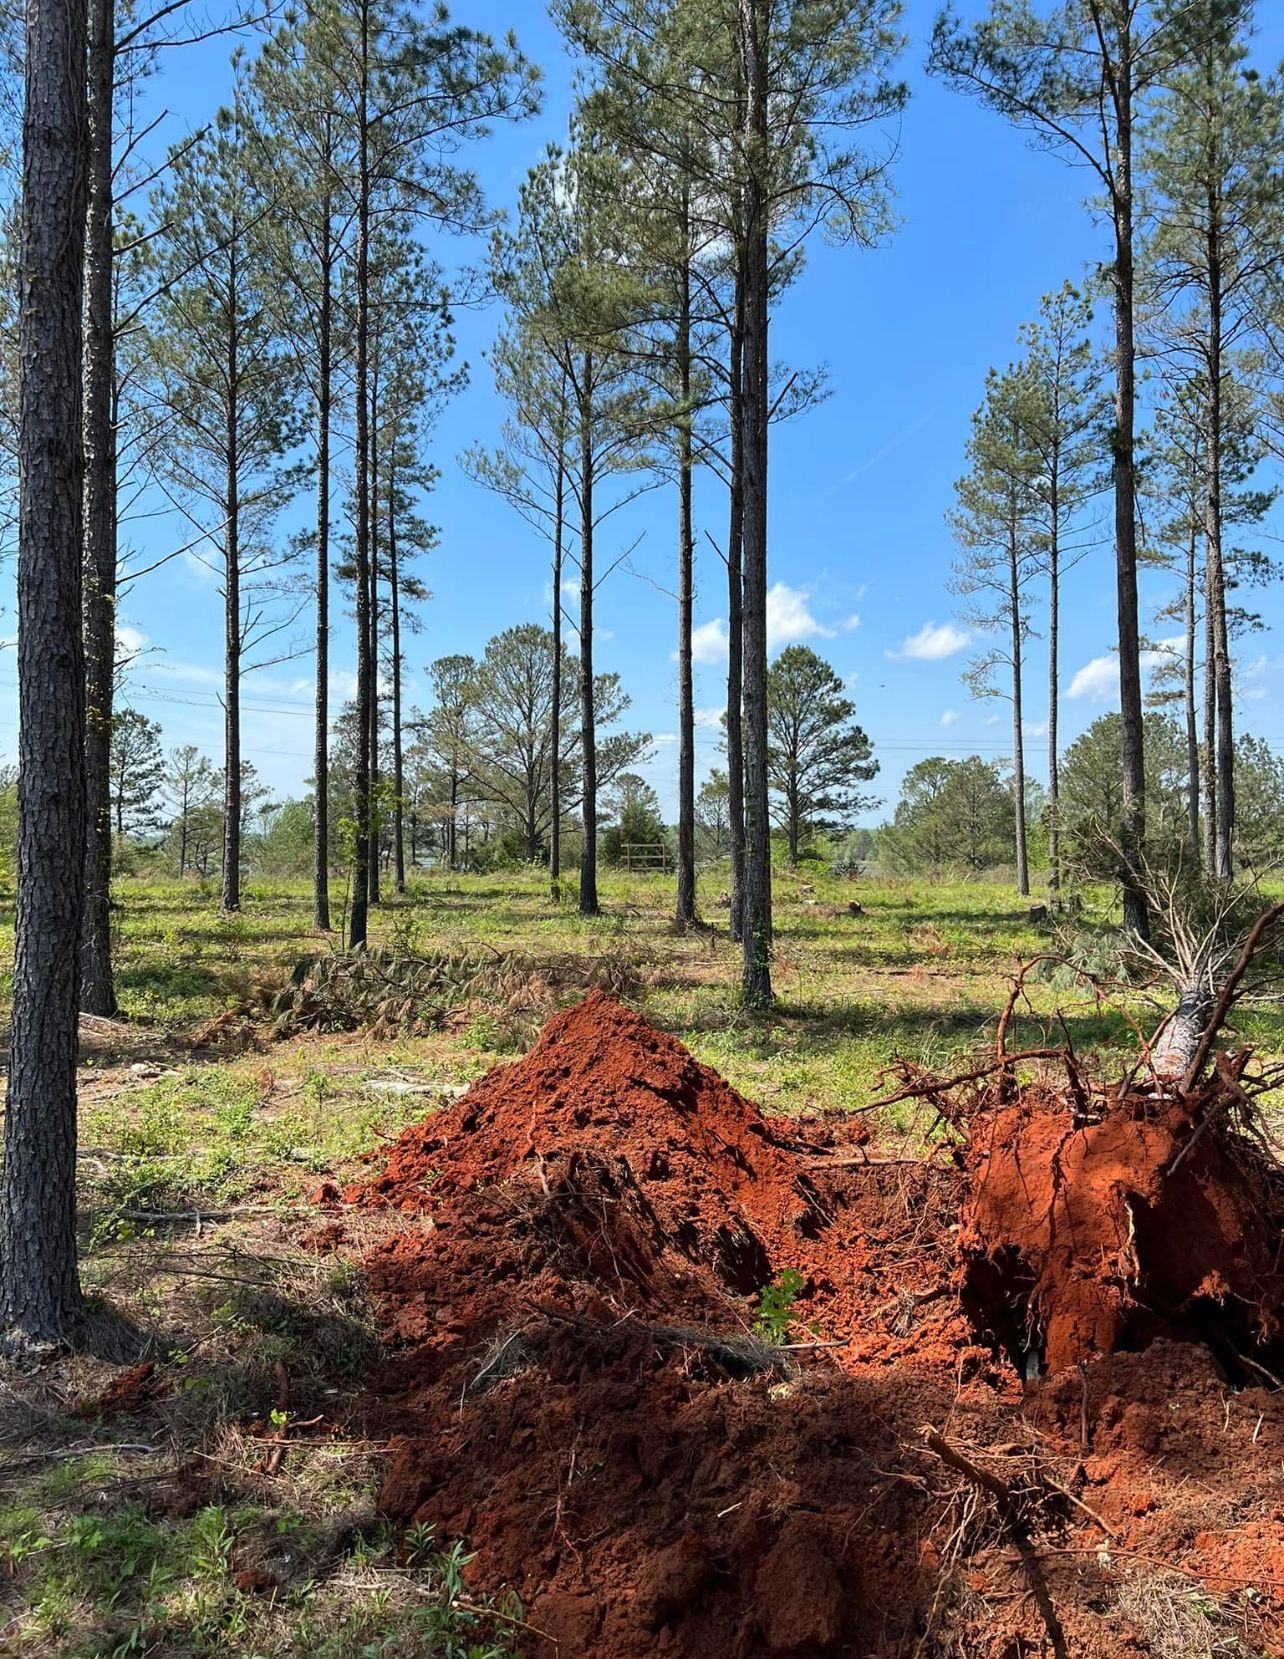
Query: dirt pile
x,y
574,1383
1080,1238
607,1114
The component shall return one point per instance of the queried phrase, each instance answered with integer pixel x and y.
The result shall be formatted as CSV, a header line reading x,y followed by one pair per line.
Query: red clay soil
x,y
127,1392
572,1384
1083,1239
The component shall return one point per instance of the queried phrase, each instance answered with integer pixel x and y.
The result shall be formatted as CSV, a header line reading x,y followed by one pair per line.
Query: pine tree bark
x,y
756,919
1208,752
735,636
1188,693
359,914
40,1299
1132,728
398,759
231,900
97,983
555,714
589,905
1224,830
1018,735
1054,671
686,896
371,509
321,729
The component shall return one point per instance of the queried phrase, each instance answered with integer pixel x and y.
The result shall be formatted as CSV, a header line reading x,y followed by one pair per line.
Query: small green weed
x,y
776,1305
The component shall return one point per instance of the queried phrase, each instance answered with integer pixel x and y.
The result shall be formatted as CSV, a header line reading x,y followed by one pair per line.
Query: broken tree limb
x,y
930,1086
998,1489
1229,992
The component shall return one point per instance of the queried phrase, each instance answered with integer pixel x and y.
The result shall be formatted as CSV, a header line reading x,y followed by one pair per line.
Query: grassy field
x,y
171,1527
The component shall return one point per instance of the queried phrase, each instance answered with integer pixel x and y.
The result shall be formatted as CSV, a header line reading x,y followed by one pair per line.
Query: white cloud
x,y
851,680
1098,679
1035,728
789,617
790,620
933,642
663,740
949,716
201,565
191,673
710,719
1252,678
709,641
130,641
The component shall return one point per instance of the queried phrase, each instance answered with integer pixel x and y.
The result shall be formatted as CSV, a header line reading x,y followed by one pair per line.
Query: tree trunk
x,y
756,920
232,643
398,759
321,731
358,923
1178,1041
588,725
1208,757
1054,698
686,896
1223,857
1018,736
1131,719
555,718
735,639
97,987
40,1301
372,510
1188,690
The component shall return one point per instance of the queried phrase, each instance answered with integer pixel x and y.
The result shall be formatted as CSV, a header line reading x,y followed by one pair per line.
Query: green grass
x,y
920,975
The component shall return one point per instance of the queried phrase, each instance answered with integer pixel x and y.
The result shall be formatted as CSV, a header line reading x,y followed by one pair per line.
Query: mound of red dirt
x,y
573,1384
1080,1239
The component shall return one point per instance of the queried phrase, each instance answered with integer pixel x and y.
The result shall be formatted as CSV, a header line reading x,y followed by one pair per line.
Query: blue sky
x,y
859,486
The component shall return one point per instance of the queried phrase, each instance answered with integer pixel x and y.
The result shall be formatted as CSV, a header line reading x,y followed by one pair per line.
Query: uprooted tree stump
x,y
1099,1216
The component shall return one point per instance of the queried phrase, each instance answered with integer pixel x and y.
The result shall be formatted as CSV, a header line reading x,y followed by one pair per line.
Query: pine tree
x,y
1065,423
137,768
451,739
994,526
531,471
1077,75
40,1296
565,276
678,247
306,152
189,786
410,91
1210,160
779,92
818,757
229,383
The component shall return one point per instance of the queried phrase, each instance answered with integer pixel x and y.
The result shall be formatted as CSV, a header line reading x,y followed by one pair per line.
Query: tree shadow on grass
x,y
814,1030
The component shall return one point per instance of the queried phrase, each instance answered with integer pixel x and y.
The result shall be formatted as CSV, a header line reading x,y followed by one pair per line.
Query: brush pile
x,y
387,991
